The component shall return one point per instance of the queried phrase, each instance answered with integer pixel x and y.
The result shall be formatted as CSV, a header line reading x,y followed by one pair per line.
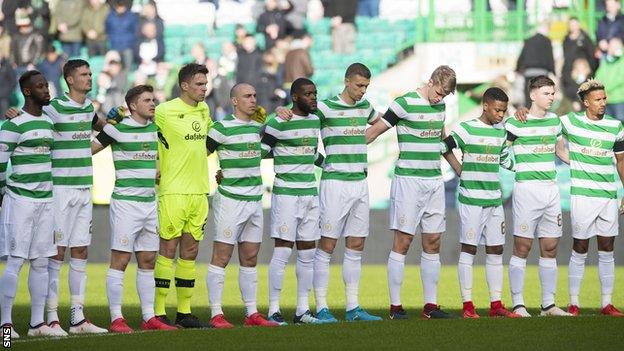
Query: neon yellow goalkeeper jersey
x,y
182,131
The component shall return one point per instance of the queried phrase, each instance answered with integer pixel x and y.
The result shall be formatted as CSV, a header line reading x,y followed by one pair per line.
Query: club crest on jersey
x,y
146,146
196,126
354,122
81,126
595,143
305,140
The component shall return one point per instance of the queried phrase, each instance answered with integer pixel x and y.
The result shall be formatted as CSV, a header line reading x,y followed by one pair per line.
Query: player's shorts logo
x,y
124,241
524,227
595,143
227,233
503,228
577,227
196,126
402,220
58,235
283,229
170,229
470,234
13,244
327,227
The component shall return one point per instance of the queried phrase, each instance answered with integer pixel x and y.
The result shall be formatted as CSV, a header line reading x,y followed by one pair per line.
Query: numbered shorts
x,y
593,216
73,216
344,208
417,204
236,220
26,228
536,210
295,218
481,225
134,225
182,213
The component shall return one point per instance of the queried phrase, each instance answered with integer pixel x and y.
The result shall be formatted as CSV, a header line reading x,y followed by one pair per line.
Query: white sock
x,y
146,286
77,285
38,288
321,278
305,275
396,265
548,280
576,269
464,272
606,271
54,268
276,276
114,291
248,284
351,271
214,282
8,288
517,271
494,276
429,275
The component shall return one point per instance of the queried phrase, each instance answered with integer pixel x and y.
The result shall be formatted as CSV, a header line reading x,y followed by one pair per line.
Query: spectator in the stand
x,y
315,10
577,44
368,8
198,53
5,41
227,61
240,33
122,27
570,83
66,20
37,10
270,95
149,50
9,82
163,81
272,22
342,14
51,67
536,58
149,14
92,25
298,63
27,46
111,86
610,73
249,62
610,26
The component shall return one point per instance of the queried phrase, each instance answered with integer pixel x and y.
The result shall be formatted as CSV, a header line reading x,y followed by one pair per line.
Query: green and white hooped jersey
x,y
534,146
419,129
294,144
238,146
71,156
592,144
26,141
134,147
343,129
484,151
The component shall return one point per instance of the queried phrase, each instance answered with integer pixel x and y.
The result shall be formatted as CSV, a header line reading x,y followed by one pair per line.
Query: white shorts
x,y
481,225
536,210
417,204
237,221
73,215
26,228
134,225
593,216
344,208
295,218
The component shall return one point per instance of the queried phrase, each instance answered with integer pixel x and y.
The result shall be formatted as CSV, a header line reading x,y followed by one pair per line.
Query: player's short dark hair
x,y
358,69
298,84
539,82
133,94
72,65
24,79
188,71
495,94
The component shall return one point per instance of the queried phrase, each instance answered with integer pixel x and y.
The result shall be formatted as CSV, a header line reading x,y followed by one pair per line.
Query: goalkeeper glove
x,y
116,115
259,115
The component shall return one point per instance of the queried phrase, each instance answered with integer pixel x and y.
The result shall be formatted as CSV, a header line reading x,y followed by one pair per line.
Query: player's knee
x,y
493,250
327,246
60,253
581,246
431,243
605,243
471,249
305,245
146,260
355,243
189,253
79,252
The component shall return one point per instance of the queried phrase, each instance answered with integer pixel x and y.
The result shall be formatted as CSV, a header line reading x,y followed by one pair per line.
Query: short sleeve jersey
x,y
182,132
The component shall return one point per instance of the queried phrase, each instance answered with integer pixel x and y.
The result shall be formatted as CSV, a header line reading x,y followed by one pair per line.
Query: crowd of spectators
x,y
128,35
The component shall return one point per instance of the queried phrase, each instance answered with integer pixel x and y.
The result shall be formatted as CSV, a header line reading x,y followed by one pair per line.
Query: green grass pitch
x,y
587,332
